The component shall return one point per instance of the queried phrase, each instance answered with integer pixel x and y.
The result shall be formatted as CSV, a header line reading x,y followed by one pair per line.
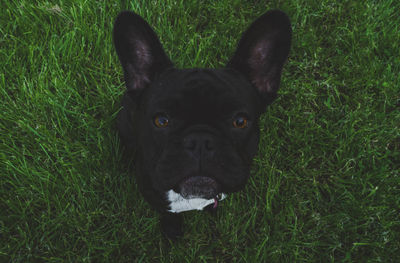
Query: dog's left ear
x,y
262,51
139,50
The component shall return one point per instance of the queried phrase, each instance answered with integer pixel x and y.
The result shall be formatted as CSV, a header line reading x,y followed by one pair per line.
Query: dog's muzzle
x,y
198,187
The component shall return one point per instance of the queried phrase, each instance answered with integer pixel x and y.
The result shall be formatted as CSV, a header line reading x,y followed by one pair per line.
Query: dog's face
x,y
195,131
198,131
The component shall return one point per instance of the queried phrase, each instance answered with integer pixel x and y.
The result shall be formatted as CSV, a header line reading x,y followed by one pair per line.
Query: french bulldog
x,y
192,133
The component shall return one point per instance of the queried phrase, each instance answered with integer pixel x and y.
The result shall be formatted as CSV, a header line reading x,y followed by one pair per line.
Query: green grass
x,y
326,181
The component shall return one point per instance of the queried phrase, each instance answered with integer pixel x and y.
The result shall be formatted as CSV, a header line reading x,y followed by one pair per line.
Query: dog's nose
x,y
199,144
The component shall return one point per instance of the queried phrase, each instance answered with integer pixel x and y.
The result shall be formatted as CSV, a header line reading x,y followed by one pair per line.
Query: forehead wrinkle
x,y
199,94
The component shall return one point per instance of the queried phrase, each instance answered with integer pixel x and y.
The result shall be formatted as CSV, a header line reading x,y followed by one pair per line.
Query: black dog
x,y
193,133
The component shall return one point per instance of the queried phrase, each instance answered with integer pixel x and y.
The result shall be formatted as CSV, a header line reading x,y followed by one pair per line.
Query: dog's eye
x,y
240,122
161,121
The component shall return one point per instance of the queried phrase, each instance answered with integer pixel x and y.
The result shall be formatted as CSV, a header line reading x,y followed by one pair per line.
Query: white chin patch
x,y
180,204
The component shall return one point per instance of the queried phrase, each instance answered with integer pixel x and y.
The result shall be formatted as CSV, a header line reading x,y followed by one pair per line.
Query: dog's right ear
x,y
139,50
262,51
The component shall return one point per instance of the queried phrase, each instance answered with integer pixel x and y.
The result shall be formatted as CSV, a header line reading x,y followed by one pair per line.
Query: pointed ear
x,y
262,51
139,50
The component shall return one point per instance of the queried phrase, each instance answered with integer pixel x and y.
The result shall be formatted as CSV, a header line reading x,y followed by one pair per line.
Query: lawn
x,y
325,184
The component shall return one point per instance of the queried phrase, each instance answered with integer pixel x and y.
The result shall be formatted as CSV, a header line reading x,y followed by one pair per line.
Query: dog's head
x,y
196,130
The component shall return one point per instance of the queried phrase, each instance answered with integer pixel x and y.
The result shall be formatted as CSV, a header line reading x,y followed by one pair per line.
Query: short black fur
x,y
198,152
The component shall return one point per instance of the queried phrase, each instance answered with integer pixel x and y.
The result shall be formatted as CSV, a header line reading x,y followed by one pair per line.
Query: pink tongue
x,y
215,203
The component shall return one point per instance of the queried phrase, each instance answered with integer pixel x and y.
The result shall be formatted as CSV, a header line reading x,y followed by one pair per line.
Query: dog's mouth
x,y
198,187
219,197
178,204
195,193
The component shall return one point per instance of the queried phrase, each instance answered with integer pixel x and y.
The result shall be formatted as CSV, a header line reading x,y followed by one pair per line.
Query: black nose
x,y
199,144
